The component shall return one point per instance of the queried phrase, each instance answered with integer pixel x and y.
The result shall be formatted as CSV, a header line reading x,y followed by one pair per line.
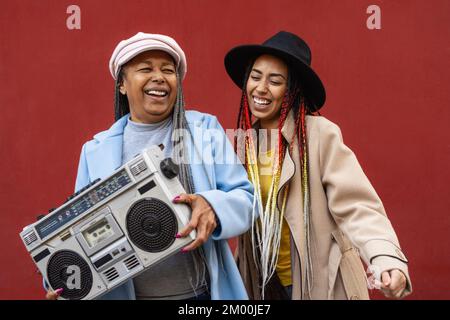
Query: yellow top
x,y
265,161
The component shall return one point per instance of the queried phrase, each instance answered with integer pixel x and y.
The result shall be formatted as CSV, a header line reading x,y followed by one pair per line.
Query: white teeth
x,y
261,101
156,93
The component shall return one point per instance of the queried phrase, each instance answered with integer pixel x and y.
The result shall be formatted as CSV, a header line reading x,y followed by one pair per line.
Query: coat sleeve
x,y
83,173
355,205
232,196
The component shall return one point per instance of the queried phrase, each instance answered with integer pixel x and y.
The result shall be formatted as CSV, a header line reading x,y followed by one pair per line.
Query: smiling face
x,y
150,84
266,87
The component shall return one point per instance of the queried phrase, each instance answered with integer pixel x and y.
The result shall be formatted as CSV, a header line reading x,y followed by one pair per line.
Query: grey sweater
x,y
182,275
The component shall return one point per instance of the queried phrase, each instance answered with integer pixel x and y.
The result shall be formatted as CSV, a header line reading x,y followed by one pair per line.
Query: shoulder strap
x,y
352,271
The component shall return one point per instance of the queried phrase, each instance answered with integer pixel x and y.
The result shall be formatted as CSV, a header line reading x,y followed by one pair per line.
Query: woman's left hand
x,y
203,219
393,283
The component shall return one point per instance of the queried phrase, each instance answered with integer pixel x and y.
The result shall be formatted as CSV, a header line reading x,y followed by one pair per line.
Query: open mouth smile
x,y
156,93
261,101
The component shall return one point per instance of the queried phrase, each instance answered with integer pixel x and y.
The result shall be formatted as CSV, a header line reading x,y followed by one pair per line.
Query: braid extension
x,y
272,221
306,193
251,165
283,115
240,120
182,157
180,127
239,126
121,106
266,234
244,101
301,109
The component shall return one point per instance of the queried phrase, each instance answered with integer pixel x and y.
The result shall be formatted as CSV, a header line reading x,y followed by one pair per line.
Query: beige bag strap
x,y
352,271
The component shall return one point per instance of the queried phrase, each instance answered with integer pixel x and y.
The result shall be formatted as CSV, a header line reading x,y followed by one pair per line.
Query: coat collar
x,y
105,154
288,129
116,129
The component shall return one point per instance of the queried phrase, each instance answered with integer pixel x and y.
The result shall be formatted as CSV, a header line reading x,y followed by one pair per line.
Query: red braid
x,y
247,115
296,133
285,107
246,124
302,138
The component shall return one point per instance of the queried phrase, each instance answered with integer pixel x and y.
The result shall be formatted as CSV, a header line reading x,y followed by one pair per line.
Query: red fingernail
x,y
183,250
176,198
178,236
59,291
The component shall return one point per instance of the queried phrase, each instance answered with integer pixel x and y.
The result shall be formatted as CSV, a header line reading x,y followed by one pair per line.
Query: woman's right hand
x,y
53,295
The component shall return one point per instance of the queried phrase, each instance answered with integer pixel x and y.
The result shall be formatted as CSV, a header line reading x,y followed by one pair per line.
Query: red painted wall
x,y
387,89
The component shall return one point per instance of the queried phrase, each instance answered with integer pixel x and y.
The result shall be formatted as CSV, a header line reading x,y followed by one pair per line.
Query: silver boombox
x,y
111,230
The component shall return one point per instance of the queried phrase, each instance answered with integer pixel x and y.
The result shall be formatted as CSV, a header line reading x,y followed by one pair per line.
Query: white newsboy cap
x,y
140,42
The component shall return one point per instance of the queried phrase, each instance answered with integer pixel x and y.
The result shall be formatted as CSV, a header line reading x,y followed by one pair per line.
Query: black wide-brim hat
x,y
292,50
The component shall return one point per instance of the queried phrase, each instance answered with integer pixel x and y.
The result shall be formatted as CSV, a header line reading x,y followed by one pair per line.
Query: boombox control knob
x,y
82,189
169,168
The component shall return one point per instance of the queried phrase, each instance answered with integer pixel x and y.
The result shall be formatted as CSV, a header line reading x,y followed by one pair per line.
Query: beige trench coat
x,y
348,221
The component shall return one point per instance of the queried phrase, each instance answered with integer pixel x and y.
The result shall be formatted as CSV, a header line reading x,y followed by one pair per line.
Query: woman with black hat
x,y
316,212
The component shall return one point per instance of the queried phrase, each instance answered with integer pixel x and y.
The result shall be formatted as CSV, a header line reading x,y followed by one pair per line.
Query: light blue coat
x,y
224,186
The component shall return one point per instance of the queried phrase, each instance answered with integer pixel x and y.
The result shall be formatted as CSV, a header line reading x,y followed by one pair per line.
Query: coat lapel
x,y
288,166
294,207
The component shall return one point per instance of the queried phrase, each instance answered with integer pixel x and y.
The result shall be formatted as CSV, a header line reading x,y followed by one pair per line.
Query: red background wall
x,y
387,89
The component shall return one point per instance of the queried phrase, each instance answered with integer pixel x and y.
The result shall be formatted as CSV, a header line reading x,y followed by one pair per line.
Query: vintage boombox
x,y
111,230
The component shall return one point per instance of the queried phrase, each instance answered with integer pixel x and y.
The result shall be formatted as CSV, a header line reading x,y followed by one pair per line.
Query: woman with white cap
x,y
149,109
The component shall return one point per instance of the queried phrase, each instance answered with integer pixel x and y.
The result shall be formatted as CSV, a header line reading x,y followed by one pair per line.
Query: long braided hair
x,y
266,233
180,137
